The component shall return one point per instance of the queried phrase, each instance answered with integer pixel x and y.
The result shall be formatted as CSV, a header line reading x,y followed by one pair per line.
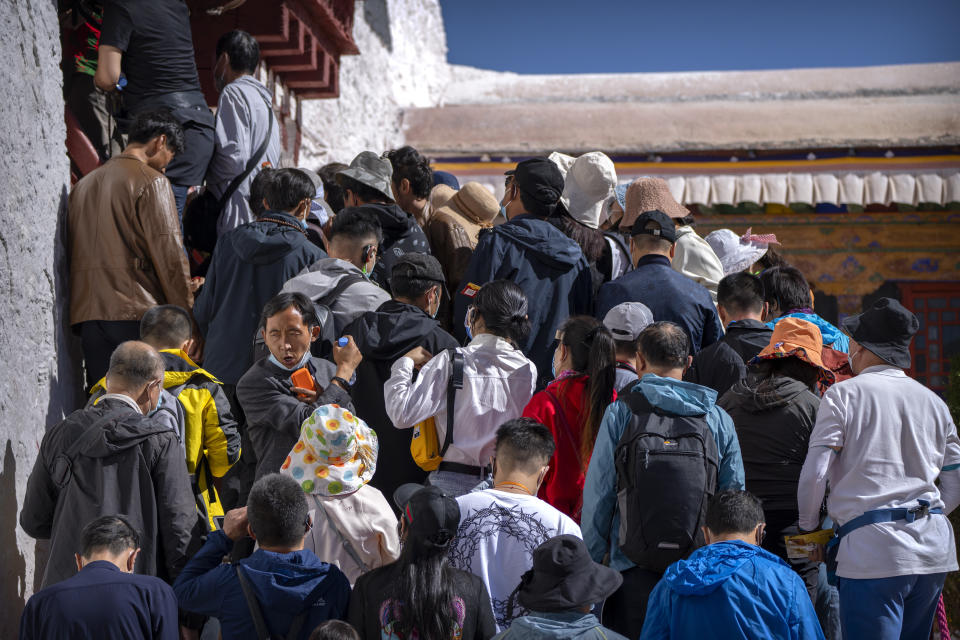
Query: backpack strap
x,y
456,382
253,605
342,285
343,540
254,159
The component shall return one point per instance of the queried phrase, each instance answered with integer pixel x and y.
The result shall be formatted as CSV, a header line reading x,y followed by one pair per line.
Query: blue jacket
x,y
105,603
566,625
600,521
546,264
250,265
669,295
832,337
283,582
731,590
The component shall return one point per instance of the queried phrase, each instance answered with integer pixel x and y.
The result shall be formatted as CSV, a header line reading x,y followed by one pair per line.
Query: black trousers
x,y
98,339
625,611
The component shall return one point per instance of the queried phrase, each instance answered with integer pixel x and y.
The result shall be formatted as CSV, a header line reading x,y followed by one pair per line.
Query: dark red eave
x,y
301,41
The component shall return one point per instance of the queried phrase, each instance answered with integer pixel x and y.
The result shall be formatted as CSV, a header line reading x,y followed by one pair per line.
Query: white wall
x,y
402,63
39,381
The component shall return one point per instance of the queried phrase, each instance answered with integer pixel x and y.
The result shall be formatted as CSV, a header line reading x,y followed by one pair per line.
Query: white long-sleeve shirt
x,y
880,441
498,381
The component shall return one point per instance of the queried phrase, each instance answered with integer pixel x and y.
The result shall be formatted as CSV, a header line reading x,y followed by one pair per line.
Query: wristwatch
x,y
341,382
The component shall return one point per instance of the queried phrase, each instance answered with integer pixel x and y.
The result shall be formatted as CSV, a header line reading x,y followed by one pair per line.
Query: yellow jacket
x,y
211,438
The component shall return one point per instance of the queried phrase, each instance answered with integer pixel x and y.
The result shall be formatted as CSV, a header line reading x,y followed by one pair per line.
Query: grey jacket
x,y
274,414
105,460
321,277
241,127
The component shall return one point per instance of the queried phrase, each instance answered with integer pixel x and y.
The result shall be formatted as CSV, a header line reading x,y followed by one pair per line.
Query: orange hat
x,y
797,338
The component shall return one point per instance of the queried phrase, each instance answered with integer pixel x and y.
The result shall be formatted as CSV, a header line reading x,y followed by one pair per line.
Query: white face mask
x,y
303,361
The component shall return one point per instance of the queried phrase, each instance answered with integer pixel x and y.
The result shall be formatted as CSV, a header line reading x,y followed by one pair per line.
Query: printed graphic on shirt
x,y
515,528
390,612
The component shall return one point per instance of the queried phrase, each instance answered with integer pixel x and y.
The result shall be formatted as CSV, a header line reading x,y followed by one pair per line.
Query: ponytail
x,y
593,354
503,307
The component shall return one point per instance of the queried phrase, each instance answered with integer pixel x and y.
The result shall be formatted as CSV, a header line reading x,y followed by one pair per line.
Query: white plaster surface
x,y
402,63
39,381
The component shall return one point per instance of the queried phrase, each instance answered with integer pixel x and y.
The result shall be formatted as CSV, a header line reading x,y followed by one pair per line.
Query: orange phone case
x,y
303,379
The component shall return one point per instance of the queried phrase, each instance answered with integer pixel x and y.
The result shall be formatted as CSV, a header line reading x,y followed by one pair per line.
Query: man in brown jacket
x,y
126,252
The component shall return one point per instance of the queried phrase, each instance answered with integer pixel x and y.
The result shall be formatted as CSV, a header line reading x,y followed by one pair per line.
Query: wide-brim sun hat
x,y
474,207
373,171
650,194
736,253
796,338
335,455
589,189
885,329
564,577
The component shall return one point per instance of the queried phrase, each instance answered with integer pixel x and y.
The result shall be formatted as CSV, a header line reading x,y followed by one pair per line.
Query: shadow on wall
x,y
13,566
377,17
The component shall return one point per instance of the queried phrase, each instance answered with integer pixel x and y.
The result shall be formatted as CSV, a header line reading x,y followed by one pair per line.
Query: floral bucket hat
x,y
335,455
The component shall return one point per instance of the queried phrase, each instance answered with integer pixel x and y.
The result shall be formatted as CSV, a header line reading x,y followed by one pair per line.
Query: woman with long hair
x,y
498,381
420,596
572,406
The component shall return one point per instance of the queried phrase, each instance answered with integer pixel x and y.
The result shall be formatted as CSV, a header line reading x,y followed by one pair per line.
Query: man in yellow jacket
x,y
209,432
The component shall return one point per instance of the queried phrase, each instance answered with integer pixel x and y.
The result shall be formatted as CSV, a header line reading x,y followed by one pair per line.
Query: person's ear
x,y
707,536
689,362
405,186
723,315
314,333
541,476
132,559
79,560
641,363
765,311
266,205
673,250
187,345
250,532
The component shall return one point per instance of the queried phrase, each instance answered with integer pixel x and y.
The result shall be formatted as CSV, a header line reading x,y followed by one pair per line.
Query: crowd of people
x,y
423,413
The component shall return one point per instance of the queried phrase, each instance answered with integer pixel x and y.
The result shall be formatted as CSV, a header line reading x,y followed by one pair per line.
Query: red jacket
x,y
563,485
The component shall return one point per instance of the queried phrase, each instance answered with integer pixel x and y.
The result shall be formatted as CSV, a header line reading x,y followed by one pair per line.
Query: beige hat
x,y
588,189
474,207
562,160
440,195
649,194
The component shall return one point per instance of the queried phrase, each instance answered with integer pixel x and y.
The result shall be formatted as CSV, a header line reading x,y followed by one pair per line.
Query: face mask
x,y
503,211
299,365
303,223
159,402
436,310
466,325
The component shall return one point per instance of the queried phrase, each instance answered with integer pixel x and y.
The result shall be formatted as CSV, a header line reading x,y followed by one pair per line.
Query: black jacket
x,y
546,264
724,363
104,460
274,415
774,418
383,336
401,234
250,265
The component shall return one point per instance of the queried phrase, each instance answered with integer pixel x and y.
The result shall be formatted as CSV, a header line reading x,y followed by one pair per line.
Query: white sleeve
x,y
408,402
813,485
831,418
950,489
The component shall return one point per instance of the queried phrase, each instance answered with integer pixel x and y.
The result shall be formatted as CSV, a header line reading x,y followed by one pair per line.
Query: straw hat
x,y
474,207
793,337
335,455
648,194
589,187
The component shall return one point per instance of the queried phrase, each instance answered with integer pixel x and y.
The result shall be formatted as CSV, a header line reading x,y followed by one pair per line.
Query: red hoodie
x,y
563,485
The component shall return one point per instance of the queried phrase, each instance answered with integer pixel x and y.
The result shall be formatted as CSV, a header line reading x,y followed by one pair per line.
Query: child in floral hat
x,y
354,527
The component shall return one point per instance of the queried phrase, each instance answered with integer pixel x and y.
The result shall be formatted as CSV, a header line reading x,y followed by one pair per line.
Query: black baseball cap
x,y
428,511
540,179
667,229
419,266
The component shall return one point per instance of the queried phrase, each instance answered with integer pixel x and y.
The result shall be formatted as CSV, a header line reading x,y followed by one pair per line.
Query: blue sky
x,y
598,36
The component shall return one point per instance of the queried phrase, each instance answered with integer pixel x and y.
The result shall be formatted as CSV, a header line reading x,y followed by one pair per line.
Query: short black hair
x,y
287,188
740,292
408,163
665,344
158,122
258,190
114,534
277,510
411,288
242,48
733,511
363,192
332,191
524,443
334,630
785,287
166,326
356,223
283,301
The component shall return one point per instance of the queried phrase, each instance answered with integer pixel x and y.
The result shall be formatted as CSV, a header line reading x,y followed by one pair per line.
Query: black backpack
x,y
667,470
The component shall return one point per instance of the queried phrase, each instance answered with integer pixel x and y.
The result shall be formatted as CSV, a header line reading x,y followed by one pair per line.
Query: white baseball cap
x,y
627,320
